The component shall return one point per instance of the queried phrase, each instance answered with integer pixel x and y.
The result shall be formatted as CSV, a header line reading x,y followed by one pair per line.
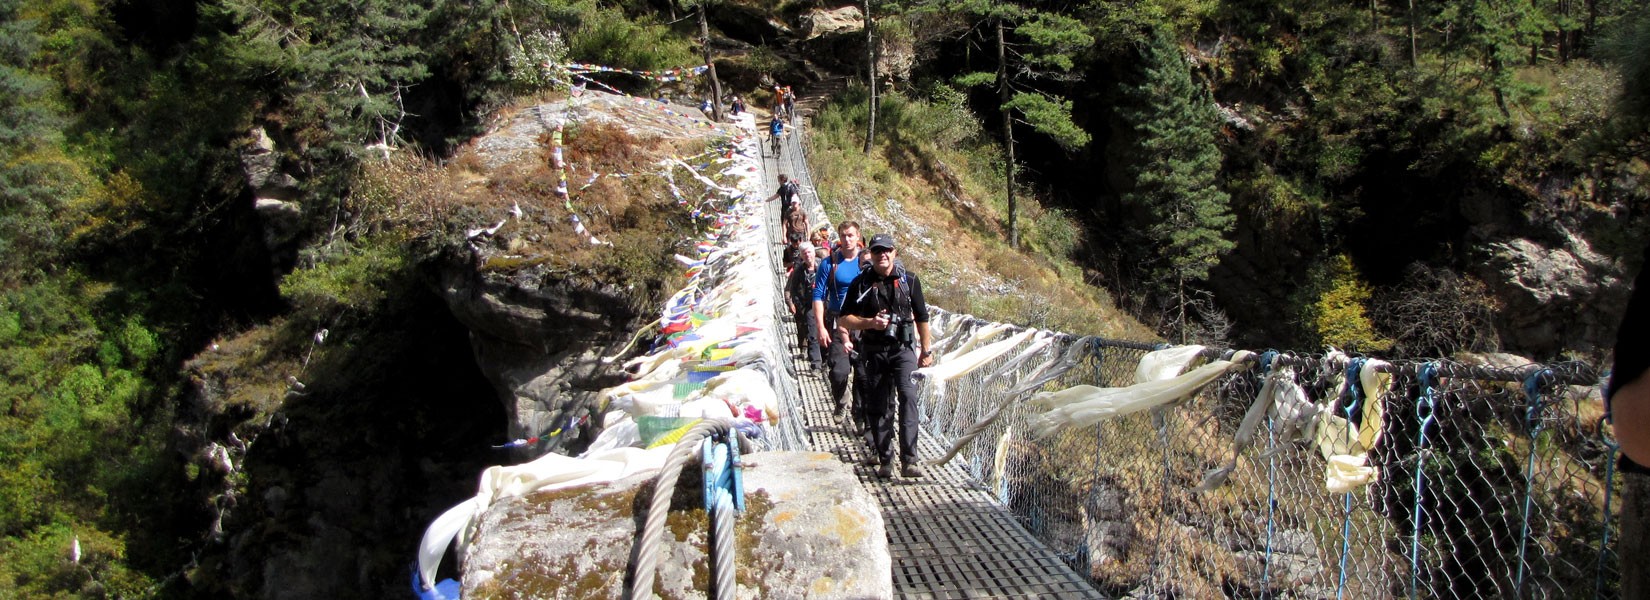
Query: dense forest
x,y
1373,154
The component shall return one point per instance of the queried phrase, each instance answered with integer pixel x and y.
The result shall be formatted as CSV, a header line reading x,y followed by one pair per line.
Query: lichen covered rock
x,y
809,530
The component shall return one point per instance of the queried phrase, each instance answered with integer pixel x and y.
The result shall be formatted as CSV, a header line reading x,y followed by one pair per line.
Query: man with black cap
x,y
885,303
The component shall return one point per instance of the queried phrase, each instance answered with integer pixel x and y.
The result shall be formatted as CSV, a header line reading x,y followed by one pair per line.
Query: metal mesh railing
x,y
1493,483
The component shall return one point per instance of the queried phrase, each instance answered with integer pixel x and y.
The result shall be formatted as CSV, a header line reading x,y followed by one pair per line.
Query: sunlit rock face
x,y
808,530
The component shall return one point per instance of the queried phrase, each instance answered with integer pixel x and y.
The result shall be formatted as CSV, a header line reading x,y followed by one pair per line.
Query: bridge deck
x,y
947,538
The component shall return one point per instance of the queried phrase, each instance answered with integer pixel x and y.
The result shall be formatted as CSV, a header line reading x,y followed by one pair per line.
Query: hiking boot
x,y
911,471
886,472
871,461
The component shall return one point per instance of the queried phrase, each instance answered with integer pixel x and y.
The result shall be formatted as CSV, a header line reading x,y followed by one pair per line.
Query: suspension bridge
x,y
1063,466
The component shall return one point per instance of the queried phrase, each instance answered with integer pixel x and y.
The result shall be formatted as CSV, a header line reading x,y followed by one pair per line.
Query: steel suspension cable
x,y
647,554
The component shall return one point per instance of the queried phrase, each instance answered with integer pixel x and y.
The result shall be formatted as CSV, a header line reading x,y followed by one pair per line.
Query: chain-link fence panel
x,y
1477,482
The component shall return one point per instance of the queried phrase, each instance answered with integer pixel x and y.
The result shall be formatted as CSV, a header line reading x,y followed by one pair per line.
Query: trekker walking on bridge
x,y
830,287
799,297
886,305
776,133
786,194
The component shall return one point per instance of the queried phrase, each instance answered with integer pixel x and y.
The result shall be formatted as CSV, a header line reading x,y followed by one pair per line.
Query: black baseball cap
x,y
882,240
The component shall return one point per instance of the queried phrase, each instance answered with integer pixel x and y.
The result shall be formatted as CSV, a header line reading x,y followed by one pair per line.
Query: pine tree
x,y
1030,45
344,65
32,168
1175,180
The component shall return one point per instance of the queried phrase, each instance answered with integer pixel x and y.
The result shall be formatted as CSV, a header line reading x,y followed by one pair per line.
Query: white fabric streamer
x,y
953,368
1346,449
1086,404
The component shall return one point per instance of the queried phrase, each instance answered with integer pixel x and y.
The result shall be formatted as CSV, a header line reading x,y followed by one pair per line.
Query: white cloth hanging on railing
x,y
1346,449
1166,363
985,332
1162,384
1281,398
949,369
1038,343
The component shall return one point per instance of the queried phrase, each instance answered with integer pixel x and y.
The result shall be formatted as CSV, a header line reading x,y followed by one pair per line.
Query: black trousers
x,y
841,366
807,336
887,375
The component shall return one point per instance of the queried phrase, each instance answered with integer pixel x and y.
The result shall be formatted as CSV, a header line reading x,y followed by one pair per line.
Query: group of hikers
x,y
784,113
861,320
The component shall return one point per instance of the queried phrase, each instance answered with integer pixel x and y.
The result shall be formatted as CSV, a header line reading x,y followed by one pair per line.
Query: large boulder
x,y
823,21
1546,294
808,530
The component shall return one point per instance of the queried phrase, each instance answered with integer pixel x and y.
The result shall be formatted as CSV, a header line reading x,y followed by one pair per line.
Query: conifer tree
x,y
1030,45
343,64
31,165
1175,179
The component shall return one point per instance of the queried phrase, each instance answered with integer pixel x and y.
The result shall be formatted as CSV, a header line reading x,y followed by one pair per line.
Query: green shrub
x,y
348,278
1339,316
607,37
1055,232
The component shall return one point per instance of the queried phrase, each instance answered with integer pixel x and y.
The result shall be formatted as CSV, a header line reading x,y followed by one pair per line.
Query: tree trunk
x,y
1180,297
871,80
1592,20
715,84
1413,58
1008,134
1496,71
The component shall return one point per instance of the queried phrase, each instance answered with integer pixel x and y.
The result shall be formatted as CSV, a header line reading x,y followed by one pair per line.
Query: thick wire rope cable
x,y
647,554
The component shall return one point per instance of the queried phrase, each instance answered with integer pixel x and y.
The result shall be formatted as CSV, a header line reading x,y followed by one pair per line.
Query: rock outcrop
x,y
1548,294
826,21
274,197
540,342
540,321
809,530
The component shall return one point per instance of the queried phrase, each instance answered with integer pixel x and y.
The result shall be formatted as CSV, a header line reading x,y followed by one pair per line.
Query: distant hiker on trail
x,y
776,129
830,288
799,297
738,105
886,306
787,193
790,104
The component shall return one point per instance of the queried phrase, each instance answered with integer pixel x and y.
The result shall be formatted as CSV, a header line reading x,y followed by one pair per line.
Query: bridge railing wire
x,y
1492,483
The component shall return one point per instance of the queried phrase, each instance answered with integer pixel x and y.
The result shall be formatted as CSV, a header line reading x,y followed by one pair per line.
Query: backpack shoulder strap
x,y
830,280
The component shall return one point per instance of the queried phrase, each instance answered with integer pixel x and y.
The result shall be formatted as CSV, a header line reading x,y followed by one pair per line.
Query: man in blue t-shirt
x,y
830,287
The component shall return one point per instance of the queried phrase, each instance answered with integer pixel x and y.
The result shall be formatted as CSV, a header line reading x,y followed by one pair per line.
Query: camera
x,y
903,329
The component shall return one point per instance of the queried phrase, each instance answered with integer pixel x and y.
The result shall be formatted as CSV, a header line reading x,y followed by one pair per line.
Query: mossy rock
x,y
808,530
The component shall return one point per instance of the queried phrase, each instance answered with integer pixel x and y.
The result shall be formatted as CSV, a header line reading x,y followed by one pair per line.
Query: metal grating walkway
x,y
948,539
